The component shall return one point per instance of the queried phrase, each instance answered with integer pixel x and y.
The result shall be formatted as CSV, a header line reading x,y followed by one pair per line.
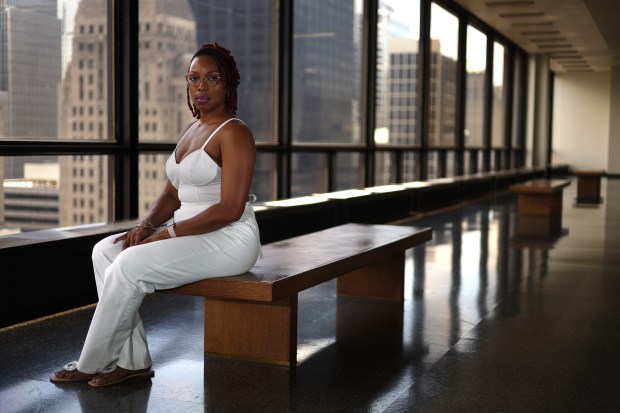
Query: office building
x,y
167,30
31,202
28,86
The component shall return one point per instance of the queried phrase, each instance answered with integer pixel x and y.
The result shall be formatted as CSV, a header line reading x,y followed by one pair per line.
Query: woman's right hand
x,y
134,236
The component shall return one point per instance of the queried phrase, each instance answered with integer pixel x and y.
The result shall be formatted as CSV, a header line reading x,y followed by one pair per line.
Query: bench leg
x,y
265,332
384,279
539,226
541,204
589,189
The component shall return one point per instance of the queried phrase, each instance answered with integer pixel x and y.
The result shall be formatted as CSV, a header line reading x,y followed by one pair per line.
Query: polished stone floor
x,y
491,322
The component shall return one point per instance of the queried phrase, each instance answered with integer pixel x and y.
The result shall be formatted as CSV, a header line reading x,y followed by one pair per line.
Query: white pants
x,y
116,335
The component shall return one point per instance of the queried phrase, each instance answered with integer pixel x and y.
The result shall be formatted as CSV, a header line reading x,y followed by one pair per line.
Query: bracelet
x,y
145,224
170,229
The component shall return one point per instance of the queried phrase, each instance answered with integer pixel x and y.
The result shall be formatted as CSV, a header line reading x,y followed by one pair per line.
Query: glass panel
x,y
327,71
467,163
433,165
504,160
264,183
309,174
398,32
499,96
475,87
67,88
350,170
84,185
443,74
410,166
167,40
152,179
385,168
450,164
30,200
171,32
53,191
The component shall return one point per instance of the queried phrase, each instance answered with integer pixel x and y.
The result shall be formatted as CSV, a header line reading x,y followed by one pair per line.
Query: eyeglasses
x,y
195,80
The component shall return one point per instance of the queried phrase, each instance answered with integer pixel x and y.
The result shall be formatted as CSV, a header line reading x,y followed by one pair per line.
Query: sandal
x,y
74,374
119,375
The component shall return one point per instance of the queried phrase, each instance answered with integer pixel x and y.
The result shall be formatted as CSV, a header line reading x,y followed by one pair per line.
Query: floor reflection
x,y
470,261
484,320
128,399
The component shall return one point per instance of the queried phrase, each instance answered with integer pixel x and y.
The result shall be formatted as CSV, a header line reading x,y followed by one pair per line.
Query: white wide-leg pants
x,y
116,335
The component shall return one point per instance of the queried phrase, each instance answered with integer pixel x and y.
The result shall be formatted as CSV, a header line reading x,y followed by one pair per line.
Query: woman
x,y
213,233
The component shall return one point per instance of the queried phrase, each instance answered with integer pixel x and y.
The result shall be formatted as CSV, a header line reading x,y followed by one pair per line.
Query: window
x,y
187,26
475,87
327,86
313,140
500,102
56,86
326,72
444,52
398,36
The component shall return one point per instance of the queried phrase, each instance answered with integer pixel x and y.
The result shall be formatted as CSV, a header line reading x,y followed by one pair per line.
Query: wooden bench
x,y
589,186
540,209
254,315
541,197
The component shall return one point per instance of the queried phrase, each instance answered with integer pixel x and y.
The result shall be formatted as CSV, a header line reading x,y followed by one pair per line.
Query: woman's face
x,y
206,87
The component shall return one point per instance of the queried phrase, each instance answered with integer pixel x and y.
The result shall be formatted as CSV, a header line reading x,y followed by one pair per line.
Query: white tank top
x,y
197,178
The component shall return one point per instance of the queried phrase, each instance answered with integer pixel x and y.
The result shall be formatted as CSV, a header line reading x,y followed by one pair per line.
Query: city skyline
x,y
326,95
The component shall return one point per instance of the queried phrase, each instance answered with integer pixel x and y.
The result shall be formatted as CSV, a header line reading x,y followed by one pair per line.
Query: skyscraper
x,y
247,28
324,93
166,41
28,77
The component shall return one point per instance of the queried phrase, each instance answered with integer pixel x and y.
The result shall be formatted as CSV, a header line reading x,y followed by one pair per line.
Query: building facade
x,y
29,78
166,43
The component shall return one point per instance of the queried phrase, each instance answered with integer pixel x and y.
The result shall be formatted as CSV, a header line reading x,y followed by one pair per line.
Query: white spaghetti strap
x,y
204,145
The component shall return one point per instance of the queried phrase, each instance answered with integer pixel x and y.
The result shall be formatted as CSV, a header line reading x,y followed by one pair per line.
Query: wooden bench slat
x,y
298,263
543,186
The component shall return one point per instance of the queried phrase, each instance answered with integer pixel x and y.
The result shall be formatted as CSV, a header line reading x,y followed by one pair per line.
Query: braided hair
x,y
228,70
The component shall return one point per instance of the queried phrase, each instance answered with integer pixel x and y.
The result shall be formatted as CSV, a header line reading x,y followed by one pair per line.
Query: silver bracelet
x,y
170,229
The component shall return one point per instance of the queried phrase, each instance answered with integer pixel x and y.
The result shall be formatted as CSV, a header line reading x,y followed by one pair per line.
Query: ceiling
x,y
578,35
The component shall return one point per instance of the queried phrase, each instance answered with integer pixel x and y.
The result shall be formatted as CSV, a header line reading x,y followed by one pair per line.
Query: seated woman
x,y
213,233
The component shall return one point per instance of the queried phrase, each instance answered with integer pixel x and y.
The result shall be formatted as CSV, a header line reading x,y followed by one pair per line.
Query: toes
x,y
63,374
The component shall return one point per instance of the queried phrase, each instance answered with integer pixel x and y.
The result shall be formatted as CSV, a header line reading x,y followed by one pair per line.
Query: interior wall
x,y
613,154
581,120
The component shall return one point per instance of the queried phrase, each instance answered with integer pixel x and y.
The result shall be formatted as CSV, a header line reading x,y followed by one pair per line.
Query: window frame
x,y
124,149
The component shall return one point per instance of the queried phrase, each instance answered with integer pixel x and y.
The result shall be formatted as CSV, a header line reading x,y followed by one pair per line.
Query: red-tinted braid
x,y
228,70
